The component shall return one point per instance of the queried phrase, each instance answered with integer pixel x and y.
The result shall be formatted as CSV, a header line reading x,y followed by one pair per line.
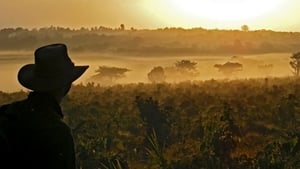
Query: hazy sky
x,y
282,15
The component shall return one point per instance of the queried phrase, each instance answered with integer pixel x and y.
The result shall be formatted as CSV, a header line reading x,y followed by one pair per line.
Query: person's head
x,y
53,71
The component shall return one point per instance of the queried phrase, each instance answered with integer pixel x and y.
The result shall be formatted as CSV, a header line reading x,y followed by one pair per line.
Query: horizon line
x,y
76,28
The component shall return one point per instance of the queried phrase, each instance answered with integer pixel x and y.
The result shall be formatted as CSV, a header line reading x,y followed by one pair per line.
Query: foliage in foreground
x,y
251,123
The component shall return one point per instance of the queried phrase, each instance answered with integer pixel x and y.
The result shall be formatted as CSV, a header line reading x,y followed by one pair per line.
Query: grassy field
x,y
213,124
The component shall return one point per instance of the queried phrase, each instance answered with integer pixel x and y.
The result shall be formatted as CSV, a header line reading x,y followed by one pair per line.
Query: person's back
x,y
37,136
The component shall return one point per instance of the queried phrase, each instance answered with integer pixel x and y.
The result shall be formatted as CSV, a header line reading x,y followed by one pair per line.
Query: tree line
x,y
162,41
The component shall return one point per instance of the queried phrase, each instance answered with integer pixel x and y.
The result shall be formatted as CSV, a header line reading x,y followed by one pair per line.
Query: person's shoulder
x,y
3,108
12,107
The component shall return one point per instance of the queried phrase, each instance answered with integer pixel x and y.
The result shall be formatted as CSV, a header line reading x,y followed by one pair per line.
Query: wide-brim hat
x,y
53,69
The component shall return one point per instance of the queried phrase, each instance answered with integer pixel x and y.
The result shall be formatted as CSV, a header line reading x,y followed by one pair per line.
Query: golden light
x,y
226,10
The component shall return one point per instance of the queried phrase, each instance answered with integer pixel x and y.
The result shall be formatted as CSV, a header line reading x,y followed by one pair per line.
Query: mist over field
x,y
253,66
259,53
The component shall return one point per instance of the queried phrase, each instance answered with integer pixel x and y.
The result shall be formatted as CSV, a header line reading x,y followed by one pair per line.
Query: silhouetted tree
x,y
183,70
186,64
157,75
295,63
108,75
229,67
245,28
122,27
133,29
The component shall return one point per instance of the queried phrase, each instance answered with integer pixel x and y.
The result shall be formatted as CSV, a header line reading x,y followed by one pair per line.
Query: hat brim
x,y
28,78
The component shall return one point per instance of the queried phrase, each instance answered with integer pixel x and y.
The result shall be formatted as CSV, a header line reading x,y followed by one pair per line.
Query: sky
x,y
278,15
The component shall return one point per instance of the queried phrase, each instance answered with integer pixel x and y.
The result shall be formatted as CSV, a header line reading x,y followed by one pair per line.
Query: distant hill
x,y
167,41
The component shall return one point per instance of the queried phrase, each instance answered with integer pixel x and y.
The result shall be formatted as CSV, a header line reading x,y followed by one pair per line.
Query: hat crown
x,y
52,60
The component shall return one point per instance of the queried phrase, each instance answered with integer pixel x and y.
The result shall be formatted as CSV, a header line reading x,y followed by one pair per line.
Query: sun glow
x,y
226,10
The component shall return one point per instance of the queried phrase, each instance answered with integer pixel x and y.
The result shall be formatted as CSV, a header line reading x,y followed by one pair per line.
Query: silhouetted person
x,y
37,137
